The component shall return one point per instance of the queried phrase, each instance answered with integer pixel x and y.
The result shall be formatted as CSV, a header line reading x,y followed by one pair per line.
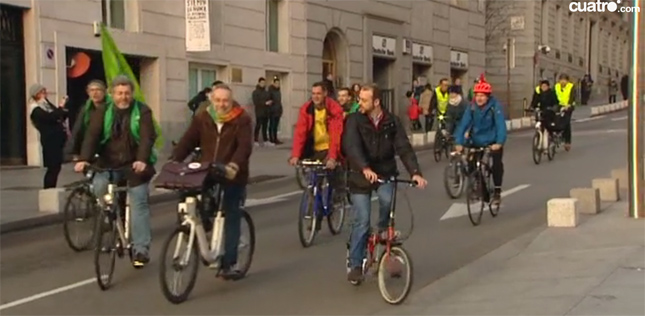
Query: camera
x,y
96,27
545,49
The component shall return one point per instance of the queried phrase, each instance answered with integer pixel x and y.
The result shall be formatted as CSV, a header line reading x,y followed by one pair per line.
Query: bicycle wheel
x,y
307,219
336,205
474,196
453,180
437,146
246,248
80,219
301,178
551,148
181,258
537,148
106,239
392,265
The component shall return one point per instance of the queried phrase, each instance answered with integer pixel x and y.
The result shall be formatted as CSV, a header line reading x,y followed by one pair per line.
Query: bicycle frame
x,y
321,200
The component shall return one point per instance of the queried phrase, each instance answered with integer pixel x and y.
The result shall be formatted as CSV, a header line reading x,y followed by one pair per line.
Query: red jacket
x,y
303,137
414,110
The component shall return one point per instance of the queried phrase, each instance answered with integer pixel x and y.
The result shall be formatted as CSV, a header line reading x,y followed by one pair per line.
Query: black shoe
x,y
355,275
229,274
139,260
497,197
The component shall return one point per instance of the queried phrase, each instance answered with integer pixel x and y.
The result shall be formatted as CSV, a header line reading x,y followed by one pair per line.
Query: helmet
x,y
483,86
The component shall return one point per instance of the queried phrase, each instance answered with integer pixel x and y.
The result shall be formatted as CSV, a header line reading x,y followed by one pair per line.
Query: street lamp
x,y
636,118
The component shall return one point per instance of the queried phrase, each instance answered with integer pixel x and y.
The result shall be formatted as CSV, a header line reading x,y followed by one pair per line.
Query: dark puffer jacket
x,y
275,110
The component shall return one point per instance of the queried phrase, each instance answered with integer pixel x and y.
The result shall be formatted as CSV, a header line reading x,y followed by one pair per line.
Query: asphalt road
x,y
40,272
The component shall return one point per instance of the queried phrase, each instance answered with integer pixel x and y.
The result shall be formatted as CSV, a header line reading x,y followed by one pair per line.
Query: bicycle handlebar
x,y
94,168
411,183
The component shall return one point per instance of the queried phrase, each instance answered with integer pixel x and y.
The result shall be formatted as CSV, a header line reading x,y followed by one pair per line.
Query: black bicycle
x,y
442,143
480,184
79,214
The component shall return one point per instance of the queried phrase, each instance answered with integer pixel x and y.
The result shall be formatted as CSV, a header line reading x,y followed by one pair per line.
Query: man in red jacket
x,y
319,128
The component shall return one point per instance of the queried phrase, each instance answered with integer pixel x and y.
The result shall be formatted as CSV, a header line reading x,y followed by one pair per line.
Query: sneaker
x,y
257,144
355,275
139,260
277,142
269,144
230,274
567,147
497,197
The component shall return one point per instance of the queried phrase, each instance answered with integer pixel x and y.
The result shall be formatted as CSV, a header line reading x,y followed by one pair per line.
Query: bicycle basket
x,y
182,176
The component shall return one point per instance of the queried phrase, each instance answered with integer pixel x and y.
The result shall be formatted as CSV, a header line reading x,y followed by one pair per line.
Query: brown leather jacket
x,y
234,143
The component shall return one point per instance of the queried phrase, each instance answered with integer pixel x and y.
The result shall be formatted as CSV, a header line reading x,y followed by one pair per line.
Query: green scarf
x,y
87,108
233,113
135,125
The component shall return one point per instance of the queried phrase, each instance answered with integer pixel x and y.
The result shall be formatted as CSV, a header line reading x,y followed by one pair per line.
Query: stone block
x,y
516,124
418,139
562,212
533,121
588,199
526,122
623,177
430,137
594,111
608,188
51,200
508,125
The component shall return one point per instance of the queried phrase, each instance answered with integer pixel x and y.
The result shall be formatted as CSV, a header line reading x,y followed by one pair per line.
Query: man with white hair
x,y
124,135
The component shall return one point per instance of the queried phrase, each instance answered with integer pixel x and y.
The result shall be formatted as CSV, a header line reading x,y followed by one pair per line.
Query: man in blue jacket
x,y
486,127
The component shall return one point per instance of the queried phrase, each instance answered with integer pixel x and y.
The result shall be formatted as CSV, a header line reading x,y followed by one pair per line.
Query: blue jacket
x,y
486,125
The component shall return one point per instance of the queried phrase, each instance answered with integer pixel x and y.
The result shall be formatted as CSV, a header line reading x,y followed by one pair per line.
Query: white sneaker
x,y
257,144
269,144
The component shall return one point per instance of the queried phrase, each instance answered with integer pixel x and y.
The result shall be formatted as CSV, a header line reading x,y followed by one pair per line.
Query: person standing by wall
x,y
49,120
612,90
261,102
275,111
424,103
624,87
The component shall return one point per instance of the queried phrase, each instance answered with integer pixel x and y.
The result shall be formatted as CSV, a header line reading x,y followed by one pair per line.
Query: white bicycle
x,y
192,243
546,140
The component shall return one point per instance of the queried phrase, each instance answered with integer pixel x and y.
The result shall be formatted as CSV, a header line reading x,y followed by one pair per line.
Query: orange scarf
x,y
219,118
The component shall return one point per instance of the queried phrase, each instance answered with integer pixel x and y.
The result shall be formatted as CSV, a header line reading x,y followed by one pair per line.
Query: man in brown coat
x,y
124,135
224,133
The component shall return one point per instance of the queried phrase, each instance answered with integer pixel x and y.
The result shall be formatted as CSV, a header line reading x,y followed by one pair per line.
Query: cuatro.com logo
x,y
601,6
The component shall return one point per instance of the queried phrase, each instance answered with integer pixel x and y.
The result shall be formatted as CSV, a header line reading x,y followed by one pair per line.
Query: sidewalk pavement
x,y
597,268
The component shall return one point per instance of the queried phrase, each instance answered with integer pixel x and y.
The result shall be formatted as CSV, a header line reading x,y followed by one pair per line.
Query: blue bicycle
x,y
319,200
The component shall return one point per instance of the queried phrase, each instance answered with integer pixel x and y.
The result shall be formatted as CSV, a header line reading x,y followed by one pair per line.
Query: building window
x,y
199,78
544,30
113,13
273,29
558,26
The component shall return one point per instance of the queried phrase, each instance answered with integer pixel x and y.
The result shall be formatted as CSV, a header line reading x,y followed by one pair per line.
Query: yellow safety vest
x,y
537,90
442,100
564,96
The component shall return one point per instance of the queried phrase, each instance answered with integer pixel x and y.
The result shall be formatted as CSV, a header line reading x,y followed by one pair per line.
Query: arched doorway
x,y
334,60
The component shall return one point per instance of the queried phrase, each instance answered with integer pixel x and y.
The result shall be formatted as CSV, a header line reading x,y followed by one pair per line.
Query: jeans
x,y
261,123
429,121
140,209
498,167
51,177
361,206
566,133
274,122
612,98
234,195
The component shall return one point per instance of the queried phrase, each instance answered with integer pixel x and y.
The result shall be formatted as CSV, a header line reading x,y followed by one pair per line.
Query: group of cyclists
x,y
353,132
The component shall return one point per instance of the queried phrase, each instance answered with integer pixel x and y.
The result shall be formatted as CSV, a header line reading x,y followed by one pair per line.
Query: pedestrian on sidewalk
x,y
424,103
275,111
356,89
96,101
261,102
49,120
198,99
624,87
414,111
612,88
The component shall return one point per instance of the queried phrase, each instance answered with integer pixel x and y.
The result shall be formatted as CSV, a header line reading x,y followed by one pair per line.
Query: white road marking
x,y
461,209
271,199
46,294
589,119
622,118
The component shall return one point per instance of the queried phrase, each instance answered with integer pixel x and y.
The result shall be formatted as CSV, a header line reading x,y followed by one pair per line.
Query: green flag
x,y
115,64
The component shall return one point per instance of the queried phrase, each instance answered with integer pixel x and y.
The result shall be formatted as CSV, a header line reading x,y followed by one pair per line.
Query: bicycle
x,y
301,177
319,200
389,259
112,223
80,213
197,245
480,184
546,140
442,143
454,175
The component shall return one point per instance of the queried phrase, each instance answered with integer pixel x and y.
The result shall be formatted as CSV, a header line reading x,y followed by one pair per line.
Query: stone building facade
x,y
298,41
595,43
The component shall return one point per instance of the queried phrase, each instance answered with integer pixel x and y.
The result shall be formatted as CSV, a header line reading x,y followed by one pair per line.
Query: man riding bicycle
x,y
124,135
546,101
565,91
454,113
96,101
346,101
224,133
486,127
439,101
318,129
372,139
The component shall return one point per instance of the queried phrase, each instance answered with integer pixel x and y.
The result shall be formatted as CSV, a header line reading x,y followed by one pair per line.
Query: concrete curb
x,y
608,108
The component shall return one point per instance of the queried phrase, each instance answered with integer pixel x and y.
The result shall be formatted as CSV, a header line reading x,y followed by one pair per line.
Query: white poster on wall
x,y
458,60
198,30
421,53
383,46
